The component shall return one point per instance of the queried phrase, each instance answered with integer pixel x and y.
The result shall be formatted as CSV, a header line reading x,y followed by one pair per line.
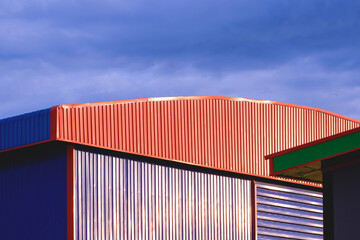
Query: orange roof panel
x,y
232,134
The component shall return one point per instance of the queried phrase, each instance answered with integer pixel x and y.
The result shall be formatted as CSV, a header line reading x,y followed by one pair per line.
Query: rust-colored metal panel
x,y
232,134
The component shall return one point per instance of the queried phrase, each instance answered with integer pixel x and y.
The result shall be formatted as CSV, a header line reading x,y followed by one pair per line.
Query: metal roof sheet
x,y
231,134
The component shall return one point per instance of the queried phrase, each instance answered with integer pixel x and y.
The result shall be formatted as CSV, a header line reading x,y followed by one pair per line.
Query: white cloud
x,y
25,86
55,52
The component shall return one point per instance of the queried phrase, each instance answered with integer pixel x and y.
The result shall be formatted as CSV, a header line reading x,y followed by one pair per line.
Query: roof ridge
x,y
180,98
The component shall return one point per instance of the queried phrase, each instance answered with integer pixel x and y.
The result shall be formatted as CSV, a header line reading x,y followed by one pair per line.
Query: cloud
x,y
245,32
302,81
56,52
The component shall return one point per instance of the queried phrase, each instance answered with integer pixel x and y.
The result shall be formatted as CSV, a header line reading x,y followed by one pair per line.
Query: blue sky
x,y
74,51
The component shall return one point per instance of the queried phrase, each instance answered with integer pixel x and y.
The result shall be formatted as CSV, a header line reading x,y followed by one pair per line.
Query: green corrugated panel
x,y
316,152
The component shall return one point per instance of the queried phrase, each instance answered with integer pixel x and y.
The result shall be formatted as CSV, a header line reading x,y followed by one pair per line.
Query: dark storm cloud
x,y
54,52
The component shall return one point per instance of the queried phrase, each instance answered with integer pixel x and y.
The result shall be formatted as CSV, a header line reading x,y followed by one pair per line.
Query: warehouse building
x,y
160,168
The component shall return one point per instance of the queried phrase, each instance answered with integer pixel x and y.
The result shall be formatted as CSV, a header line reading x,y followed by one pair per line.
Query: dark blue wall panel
x,y
33,194
25,129
346,198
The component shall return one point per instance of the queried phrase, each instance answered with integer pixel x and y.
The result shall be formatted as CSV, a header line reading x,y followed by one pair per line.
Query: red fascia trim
x,y
306,145
25,146
322,159
191,164
70,168
53,123
271,166
254,209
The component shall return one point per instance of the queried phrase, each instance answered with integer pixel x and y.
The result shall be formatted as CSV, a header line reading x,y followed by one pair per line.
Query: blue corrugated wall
x,y
25,129
33,194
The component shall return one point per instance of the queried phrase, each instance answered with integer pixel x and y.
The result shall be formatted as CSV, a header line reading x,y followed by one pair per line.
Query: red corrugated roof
x,y
232,134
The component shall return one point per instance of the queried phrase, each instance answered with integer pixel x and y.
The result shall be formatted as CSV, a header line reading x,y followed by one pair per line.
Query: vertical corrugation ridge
x,y
117,198
217,133
25,129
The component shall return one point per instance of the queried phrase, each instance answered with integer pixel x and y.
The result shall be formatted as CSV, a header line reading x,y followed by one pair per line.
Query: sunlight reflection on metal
x,y
288,212
118,198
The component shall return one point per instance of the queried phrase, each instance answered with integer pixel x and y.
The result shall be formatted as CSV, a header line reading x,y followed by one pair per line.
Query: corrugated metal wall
x,y
219,133
119,198
288,213
25,129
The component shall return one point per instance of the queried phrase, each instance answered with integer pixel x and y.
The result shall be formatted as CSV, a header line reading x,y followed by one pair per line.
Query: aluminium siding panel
x,y
288,212
25,129
117,198
216,132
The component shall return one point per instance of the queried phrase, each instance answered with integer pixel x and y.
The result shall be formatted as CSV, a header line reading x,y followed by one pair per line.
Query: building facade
x,y
160,168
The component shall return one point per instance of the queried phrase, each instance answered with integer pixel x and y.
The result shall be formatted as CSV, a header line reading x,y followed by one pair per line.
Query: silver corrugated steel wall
x,y
118,198
288,213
